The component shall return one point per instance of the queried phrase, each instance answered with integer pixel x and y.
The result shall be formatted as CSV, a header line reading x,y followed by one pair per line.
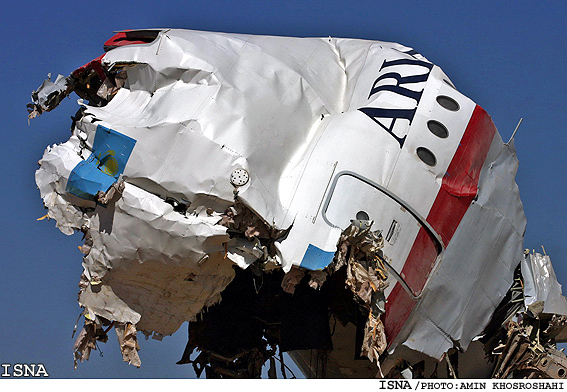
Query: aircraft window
x,y
437,129
426,156
448,103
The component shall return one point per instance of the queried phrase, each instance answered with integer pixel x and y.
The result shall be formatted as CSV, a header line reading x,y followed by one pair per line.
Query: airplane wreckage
x,y
336,199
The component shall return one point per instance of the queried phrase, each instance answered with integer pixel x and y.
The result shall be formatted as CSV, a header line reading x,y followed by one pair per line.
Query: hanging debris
x,y
128,342
48,95
86,341
361,249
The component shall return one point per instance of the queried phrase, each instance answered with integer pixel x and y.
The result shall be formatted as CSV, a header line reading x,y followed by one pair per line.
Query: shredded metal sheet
x,y
541,284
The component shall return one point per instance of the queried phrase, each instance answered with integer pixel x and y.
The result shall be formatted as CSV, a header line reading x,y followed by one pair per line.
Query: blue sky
x,y
509,57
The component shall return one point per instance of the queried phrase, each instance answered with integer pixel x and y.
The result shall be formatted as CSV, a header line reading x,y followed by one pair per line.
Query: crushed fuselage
x,y
347,181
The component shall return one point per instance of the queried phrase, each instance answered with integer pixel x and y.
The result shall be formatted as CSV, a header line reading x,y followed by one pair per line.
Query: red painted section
x,y
95,65
120,39
128,37
459,187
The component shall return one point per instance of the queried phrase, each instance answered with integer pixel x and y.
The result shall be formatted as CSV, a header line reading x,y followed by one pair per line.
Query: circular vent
x,y
239,177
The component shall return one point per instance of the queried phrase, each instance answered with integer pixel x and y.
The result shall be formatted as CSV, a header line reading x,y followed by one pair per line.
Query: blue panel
x,y
316,258
111,151
87,179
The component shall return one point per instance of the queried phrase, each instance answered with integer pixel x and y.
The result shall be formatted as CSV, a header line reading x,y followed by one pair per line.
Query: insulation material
x,y
126,334
86,341
366,277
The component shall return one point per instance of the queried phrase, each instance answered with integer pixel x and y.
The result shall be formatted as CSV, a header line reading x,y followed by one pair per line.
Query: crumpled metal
x,y
128,341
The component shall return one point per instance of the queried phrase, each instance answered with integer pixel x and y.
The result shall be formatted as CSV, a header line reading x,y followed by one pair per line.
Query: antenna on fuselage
x,y
515,130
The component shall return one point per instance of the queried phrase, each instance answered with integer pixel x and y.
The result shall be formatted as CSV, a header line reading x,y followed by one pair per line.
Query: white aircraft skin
x,y
325,131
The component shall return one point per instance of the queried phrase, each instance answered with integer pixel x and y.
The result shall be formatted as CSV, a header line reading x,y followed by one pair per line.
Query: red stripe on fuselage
x,y
458,189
